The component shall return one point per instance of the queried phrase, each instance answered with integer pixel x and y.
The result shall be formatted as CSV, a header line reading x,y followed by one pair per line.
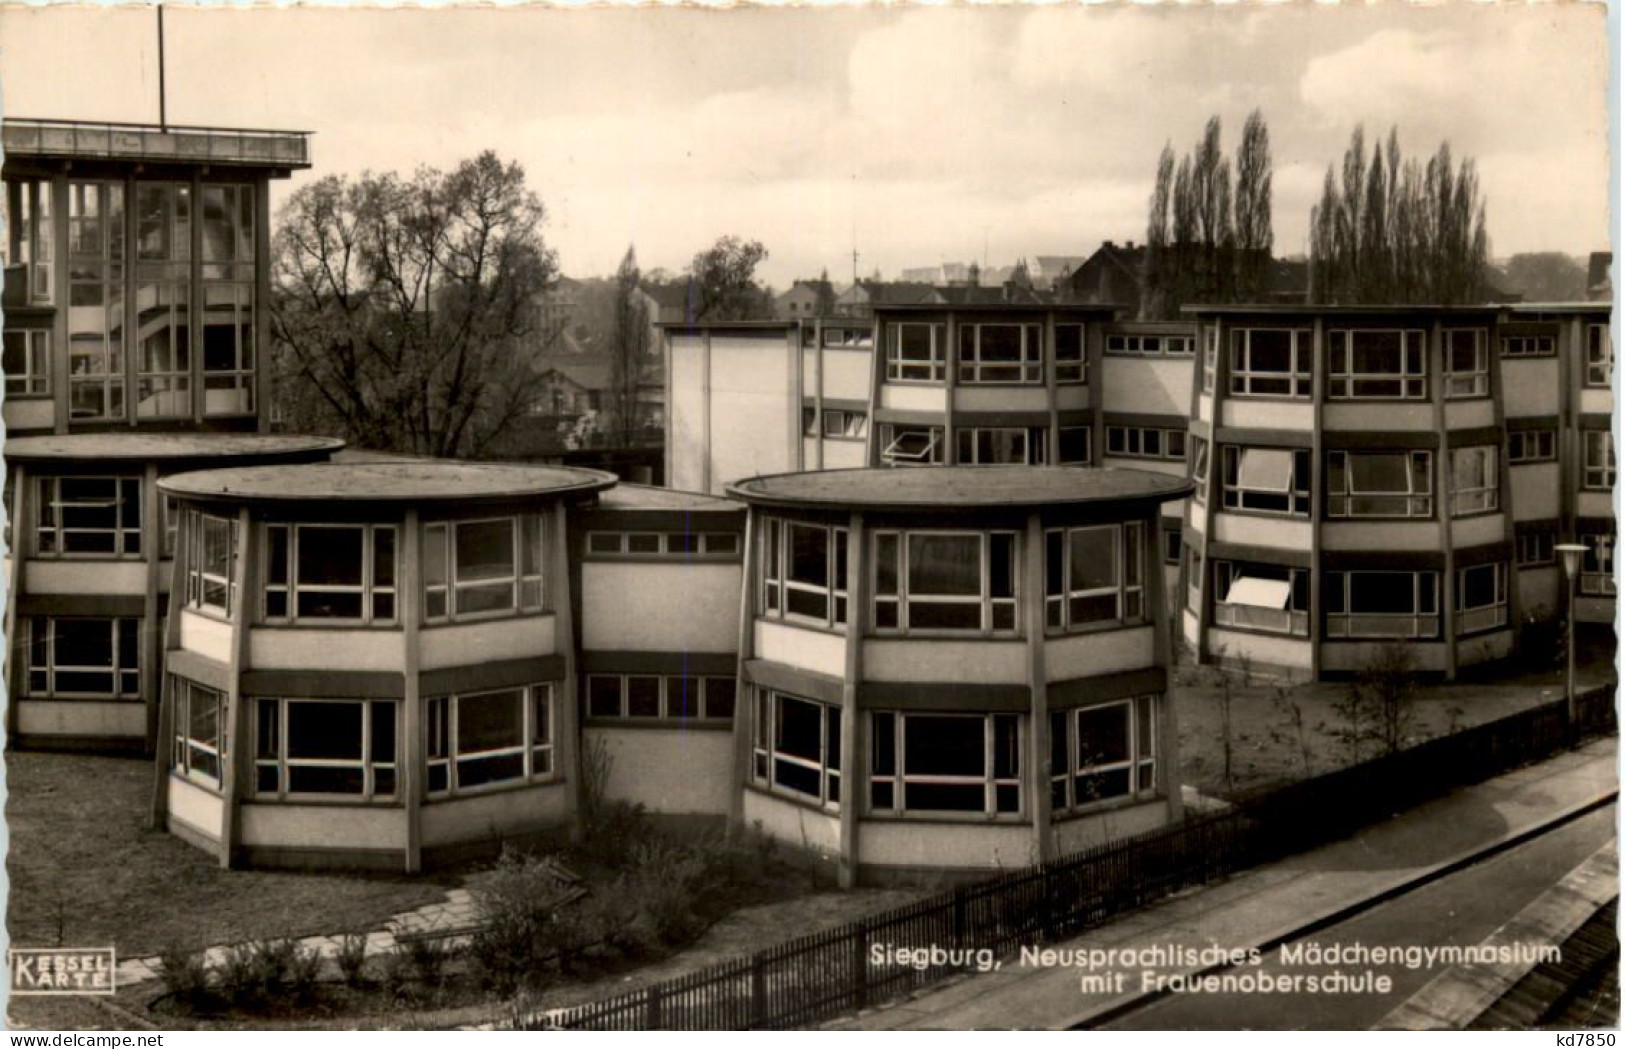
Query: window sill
x,y
1107,805
208,613
326,624
81,697
327,801
662,559
207,786
1259,631
944,635
1057,633
47,396
1278,397
1469,514
466,793
1274,515
669,724
474,619
801,624
800,801
1381,518
951,819
91,558
1332,399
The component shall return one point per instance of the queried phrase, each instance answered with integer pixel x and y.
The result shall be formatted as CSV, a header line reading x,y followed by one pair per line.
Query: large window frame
x,y
1599,468
228,307
27,362
1531,446
287,596
906,597
1071,355
1474,480
1071,603
1095,763
96,286
982,364
1599,360
651,698
1127,344
201,740
373,767
1350,497
785,760
1529,345
1357,375
211,557
88,517
1075,445
1145,442
1001,445
1466,363
447,763
30,238
1346,622
1536,548
1481,598
908,359
1273,481
1272,599
163,337
1597,564
1252,375
58,667
912,774
787,579
446,590
605,545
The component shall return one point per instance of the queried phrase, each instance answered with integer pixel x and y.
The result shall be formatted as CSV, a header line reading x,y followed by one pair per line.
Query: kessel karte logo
x,y
62,970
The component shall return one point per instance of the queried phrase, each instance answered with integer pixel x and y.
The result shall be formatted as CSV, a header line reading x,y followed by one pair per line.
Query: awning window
x,y
1259,593
1265,470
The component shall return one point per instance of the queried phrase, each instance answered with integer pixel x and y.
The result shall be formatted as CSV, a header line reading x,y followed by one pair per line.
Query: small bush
x,y
185,973
238,973
613,832
428,958
352,958
666,882
304,968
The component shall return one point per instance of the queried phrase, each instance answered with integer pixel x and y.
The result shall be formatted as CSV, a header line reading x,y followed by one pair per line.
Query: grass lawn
x,y
86,871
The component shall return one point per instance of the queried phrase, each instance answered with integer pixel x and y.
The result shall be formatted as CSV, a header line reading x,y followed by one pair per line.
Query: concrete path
x,y
456,911
1270,904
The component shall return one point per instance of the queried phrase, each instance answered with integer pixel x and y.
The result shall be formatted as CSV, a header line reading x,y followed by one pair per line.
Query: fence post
x,y
959,916
758,989
860,966
651,1019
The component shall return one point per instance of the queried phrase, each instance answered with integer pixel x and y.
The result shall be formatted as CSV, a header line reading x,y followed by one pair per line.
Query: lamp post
x,y
1572,553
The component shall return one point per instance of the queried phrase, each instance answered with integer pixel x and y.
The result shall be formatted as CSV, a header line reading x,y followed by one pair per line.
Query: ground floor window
x,y
1102,752
649,697
1382,604
487,739
84,658
1597,567
796,747
935,763
1273,598
343,747
1481,598
200,737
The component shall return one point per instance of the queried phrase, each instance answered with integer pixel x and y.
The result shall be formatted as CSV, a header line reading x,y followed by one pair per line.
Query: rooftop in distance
x,y
961,487
24,138
89,447
644,497
386,482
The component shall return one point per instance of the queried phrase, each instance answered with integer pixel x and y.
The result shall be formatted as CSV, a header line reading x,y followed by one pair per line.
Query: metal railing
x,y
841,970
74,138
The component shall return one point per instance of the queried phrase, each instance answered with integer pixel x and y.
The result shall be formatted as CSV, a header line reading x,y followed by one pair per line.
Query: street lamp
x,y
1572,553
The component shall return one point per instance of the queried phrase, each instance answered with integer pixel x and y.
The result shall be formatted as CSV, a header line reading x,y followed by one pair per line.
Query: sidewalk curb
x,y
1122,1005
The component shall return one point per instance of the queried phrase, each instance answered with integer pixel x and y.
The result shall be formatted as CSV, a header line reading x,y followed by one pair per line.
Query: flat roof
x,y
1562,307
646,497
386,482
998,307
161,446
1343,310
960,487
158,143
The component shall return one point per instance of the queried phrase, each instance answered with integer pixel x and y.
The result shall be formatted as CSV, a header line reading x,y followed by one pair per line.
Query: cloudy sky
x,y
915,136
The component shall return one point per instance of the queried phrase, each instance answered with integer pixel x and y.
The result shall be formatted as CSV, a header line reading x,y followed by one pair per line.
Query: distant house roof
x,y
1057,265
889,293
977,295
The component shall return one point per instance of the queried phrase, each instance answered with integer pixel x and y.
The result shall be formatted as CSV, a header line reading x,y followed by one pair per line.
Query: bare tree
x,y
405,310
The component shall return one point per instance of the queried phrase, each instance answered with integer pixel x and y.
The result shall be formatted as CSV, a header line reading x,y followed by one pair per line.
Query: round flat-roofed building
x,y
961,668
371,662
91,540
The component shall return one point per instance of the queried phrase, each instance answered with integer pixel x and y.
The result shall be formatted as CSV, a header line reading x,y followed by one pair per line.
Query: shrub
x,y
395,970
239,973
666,881
185,973
516,901
427,959
303,968
352,958
612,833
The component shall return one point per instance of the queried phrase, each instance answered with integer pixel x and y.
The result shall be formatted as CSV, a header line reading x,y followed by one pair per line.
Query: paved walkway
x,y
455,912
1268,904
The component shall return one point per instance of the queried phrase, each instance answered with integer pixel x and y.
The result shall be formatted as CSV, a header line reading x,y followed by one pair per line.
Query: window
x,y
1270,362
96,300
1001,353
1597,566
227,214
482,567
1536,548
84,658
996,445
1074,445
163,300
1126,345
1199,461
796,748
211,550
330,572
1473,488
29,240
1271,598
1466,363
1210,357
1173,540
1145,442
1375,364
1599,461
916,353
910,445
171,512
27,362
325,747
960,582
680,545
1266,480
1071,365
1481,598
89,517
1379,484
1382,604
1193,578
845,425
1529,346
201,738
1531,446
803,572
487,739
674,697
1599,356
937,763
1093,576
1103,752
